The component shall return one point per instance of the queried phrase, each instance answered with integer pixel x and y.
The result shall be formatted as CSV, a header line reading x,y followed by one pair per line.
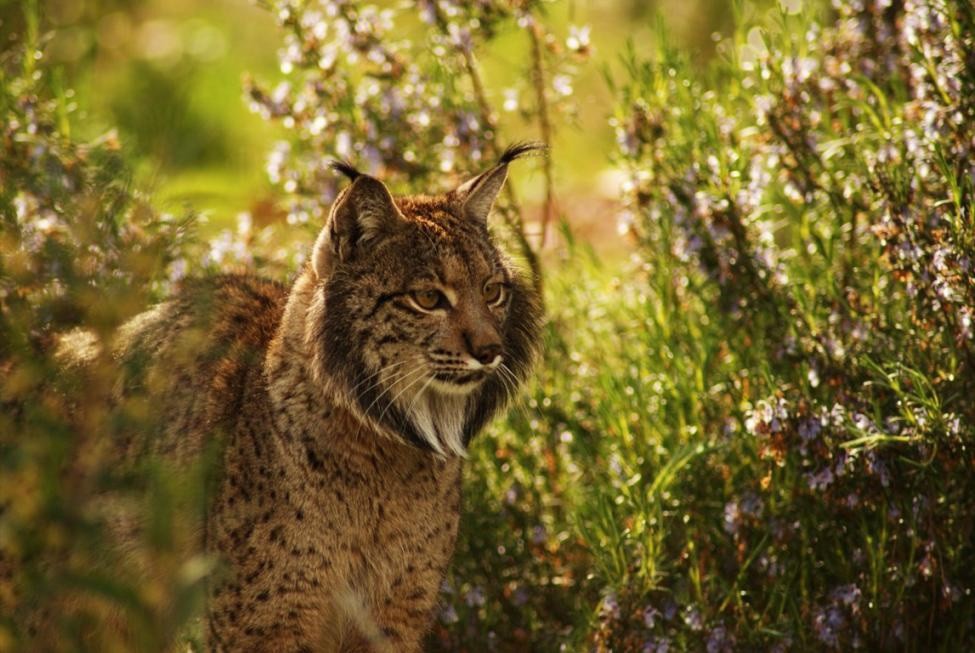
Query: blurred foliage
x,y
200,138
408,110
755,436
78,247
196,53
167,76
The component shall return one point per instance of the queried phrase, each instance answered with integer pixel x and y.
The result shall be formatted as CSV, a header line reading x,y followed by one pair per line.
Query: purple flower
x,y
657,645
848,595
782,645
520,596
810,428
448,615
752,505
562,84
669,609
177,269
578,39
539,535
650,616
877,468
693,618
720,640
474,597
828,625
511,494
820,480
609,607
863,423
732,517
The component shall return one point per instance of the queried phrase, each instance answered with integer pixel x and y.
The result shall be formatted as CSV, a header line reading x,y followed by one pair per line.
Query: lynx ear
x,y
477,195
362,214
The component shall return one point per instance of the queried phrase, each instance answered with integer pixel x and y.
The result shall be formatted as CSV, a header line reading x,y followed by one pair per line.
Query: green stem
x,y
32,34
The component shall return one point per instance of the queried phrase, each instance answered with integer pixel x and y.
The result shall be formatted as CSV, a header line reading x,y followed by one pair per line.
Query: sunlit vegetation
x,y
753,431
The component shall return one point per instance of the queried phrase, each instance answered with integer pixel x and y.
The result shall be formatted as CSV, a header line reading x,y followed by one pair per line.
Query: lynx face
x,y
451,308
423,324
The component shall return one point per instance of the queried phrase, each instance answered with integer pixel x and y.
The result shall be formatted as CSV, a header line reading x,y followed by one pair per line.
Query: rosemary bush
x,y
78,248
759,436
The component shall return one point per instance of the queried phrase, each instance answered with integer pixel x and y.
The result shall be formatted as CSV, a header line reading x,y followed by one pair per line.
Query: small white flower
x,y
317,125
510,99
578,39
562,85
244,223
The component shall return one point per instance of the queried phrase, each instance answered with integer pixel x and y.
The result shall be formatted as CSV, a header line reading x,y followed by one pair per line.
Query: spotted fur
x,y
345,408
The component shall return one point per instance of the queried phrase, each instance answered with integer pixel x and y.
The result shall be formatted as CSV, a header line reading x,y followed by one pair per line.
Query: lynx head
x,y
419,322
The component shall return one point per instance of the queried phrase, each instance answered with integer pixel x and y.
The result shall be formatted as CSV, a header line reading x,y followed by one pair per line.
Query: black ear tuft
x,y
517,150
476,196
345,168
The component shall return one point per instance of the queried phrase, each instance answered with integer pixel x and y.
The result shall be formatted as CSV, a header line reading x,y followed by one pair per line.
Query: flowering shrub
x,y
406,110
812,212
78,247
760,437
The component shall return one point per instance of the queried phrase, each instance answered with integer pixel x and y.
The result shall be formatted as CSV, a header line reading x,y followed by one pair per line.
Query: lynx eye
x,y
494,293
430,300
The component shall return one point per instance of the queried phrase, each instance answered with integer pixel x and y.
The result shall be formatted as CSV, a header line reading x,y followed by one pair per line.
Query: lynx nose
x,y
482,342
485,354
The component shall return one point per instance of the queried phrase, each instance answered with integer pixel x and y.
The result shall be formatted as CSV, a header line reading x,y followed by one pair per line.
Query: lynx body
x,y
344,406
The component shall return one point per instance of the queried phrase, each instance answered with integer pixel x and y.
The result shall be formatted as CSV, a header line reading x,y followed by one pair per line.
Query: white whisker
x,y
391,384
512,383
399,377
400,394
508,379
432,441
409,409
439,416
378,376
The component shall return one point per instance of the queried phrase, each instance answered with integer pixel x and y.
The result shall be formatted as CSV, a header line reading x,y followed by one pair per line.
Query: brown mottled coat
x,y
338,498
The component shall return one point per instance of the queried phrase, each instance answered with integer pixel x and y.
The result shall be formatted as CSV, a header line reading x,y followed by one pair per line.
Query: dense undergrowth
x,y
756,435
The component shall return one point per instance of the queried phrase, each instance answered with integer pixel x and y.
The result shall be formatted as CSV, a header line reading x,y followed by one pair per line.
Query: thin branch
x,y
545,124
512,212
